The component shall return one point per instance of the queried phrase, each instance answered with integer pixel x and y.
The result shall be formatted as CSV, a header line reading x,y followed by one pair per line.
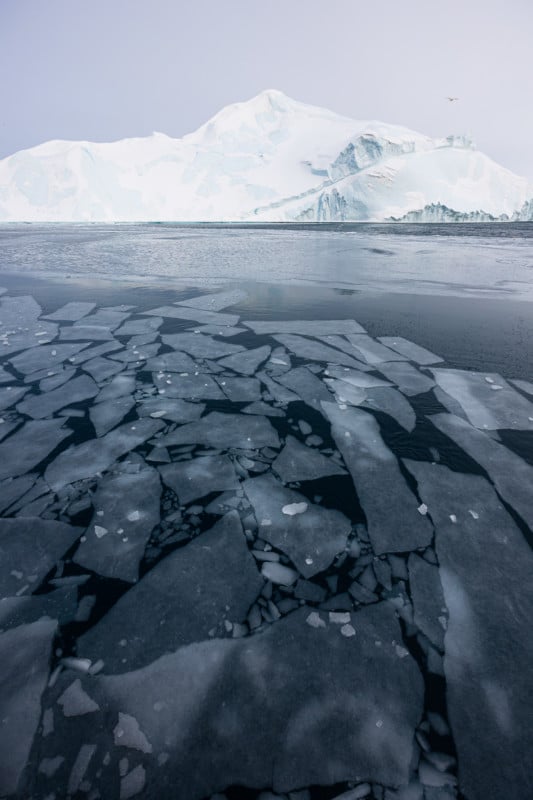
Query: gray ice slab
x,y
9,395
485,568
428,600
29,445
306,327
216,301
525,386
130,506
90,333
59,377
24,665
393,403
45,357
104,318
224,431
284,677
199,476
205,317
314,350
199,345
137,327
102,368
511,475
311,539
6,377
14,488
307,386
279,393
218,330
71,312
136,353
29,548
107,415
247,362
20,326
485,405
340,343
240,390
448,402
119,386
371,351
345,392
8,426
97,455
407,378
142,339
357,378
185,598
391,509
94,352
171,409
171,362
44,405
410,350
60,605
188,387
263,409
296,462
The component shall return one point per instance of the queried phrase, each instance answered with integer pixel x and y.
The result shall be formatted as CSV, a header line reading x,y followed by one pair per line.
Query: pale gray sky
x,y
107,69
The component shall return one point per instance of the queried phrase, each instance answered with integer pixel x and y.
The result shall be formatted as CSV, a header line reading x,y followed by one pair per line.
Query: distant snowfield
x,y
268,159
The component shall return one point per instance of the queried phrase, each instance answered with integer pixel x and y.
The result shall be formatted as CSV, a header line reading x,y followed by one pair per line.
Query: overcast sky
x,y
107,69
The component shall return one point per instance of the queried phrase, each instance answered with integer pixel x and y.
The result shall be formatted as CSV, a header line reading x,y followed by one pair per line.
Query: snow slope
x,y
269,159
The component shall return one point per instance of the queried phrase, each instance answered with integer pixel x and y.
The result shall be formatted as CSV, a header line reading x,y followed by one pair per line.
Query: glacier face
x,y
269,159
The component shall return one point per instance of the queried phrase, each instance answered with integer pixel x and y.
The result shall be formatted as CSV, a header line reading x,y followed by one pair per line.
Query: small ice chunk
x,y
315,620
278,573
422,509
348,631
291,509
81,764
127,733
340,617
75,701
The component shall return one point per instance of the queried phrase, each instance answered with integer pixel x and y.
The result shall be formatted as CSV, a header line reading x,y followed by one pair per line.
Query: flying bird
x,y
452,99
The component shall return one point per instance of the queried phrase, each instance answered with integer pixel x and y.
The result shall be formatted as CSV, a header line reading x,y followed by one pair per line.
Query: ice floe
x,y
43,405
316,351
71,312
296,462
198,477
216,301
248,361
306,327
224,431
407,378
108,414
199,345
393,403
29,445
185,312
44,357
306,386
410,350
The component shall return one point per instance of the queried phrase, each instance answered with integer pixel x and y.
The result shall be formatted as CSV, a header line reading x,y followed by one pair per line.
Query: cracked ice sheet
x,y
511,475
200,476
44,405
130,506
371,351
407,378
246,362
240,390
391,509
170,409
204,317
311,539
24,665
393,403
19,316
45,357
410,350
93,352
138,327
29,548
119,386
316,351
102,368
71,312
199,345
216,301
9,395
484,406
29,445
224,431
210,695
107,414
171,362
306,385
187,595
104,318
97,455
91,333
187,387
485,567
306,327
296,462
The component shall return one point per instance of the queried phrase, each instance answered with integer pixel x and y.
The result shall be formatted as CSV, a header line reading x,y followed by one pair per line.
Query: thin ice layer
x,y
315,351
44,405
393,403
367,349
216,301
107,415
188,387
199,345
492,404
306,327
330,732
306,386
296,462
97,455
198,315
246,362
199,476
485,568
407,378
71,312
394,523
21,327
186,597
511,475
24,664
224,431
29,548
428,599
126,507
47,356
310,539
410,350
30,445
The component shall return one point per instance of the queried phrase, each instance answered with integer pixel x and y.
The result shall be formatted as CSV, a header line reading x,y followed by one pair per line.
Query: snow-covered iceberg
x,y
269,159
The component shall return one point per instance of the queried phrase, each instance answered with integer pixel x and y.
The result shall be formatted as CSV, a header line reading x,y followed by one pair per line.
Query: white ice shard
x,y
357,378
102,368
311,539
378,482
296,462
484,407
45,356
346,392
20,324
